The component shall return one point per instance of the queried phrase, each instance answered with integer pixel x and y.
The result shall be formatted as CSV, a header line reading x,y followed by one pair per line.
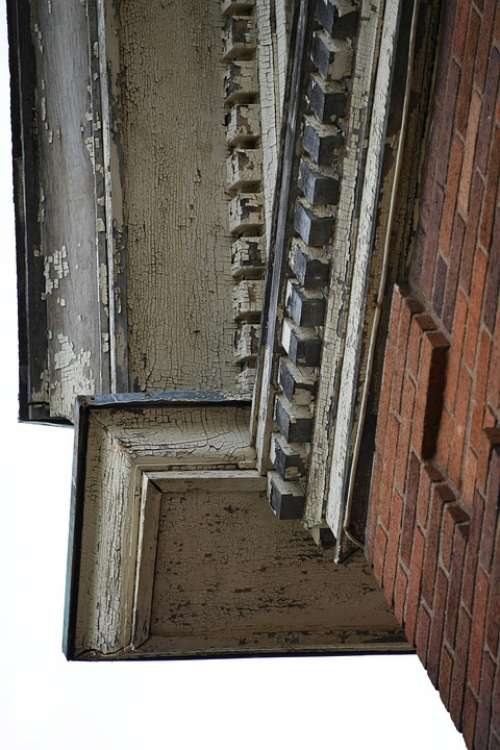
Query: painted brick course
x,y
433,532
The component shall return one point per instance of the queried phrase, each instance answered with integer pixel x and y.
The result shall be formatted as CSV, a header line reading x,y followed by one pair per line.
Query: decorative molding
x,y
116,499
314,154
244,183
174,553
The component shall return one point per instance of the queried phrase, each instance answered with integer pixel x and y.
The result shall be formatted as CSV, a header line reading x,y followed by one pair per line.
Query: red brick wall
x,y
433,533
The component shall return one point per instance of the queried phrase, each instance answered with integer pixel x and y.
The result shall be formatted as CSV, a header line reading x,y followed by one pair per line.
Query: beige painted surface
x,y
180,321
229,576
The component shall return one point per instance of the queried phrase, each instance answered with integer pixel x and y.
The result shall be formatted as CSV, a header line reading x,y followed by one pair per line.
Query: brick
x,y
492,290
430,241
460,30
483,718
410,509
455,581
469,152
409,307
416,271
478,625
483,48
471,231
379,547
488,111
389,355
441,494
437,626
457,241
464,91
459,667
462,408
491,191
407,405
389,457
445,672
469,479
428,476
479,391
483,459
452,181
455,356
430,391
422,634
420,323
400,589
493,614
447,108
414,585
495,705
391,554
440,277
373,505
475,307
469,717
471,557
445,436
453,516
492,506
493,395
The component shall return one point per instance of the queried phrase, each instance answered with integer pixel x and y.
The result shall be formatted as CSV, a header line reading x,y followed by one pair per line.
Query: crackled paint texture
x,y
180,321
67,213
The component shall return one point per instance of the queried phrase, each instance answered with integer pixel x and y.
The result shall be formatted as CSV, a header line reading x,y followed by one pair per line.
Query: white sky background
x,y
49,704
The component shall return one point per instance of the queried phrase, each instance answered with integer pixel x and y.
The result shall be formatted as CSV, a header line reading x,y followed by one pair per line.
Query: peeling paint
x,y
76,376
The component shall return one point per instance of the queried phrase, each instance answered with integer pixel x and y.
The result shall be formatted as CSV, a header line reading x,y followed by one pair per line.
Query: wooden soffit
x,y
174,551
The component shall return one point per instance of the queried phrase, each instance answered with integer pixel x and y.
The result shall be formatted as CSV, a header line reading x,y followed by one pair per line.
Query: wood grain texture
x,y
173,489
122,444
351,379
229,577
179,282
342,259
273,24
68,122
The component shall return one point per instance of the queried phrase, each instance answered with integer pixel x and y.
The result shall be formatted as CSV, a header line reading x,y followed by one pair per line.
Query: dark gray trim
x,y
32,313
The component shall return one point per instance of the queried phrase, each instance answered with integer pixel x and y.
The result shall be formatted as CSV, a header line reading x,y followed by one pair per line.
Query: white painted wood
x,y
342,255
341,452
146,558
123,445
174,490
273,27
175,206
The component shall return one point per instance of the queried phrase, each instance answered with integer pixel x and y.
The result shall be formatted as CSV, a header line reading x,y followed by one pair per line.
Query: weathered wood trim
x,y
134,456
263,404
112,518
245,182
273,19
146,556
295,315
115,231
342,256
342,446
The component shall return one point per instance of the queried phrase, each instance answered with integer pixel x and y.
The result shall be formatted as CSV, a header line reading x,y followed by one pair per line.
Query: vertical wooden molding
x,y
244,184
